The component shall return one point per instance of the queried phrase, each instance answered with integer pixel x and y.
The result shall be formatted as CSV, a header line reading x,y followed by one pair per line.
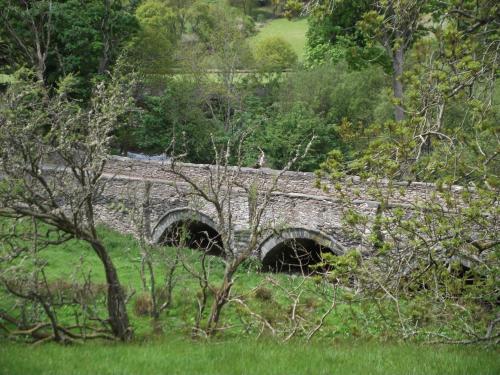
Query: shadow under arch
x,y
295,249
189,228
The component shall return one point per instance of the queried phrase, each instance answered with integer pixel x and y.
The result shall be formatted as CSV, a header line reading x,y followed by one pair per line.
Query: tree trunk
x,y
118,317
397,83
220,299
105,31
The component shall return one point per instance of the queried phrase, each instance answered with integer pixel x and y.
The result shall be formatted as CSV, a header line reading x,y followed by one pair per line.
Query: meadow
x,y
294,32
174,355
342,346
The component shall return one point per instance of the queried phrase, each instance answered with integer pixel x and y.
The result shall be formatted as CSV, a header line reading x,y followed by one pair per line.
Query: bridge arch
x,y
199,229
295,249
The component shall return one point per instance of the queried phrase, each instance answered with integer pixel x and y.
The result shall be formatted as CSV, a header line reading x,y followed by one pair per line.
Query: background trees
x,y
152,49
274,53
57,38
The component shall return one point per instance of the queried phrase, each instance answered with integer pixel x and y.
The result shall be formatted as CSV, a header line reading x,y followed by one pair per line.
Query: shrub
x,y
274,53
143,305
264,294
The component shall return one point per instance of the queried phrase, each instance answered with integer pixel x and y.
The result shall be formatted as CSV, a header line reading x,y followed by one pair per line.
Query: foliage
x,y
151,51
442,250
286,130
333,35
176,114
59,38
335,93
369,31
274,53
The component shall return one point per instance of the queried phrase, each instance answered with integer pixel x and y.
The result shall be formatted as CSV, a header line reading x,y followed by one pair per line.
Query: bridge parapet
x,y
290,182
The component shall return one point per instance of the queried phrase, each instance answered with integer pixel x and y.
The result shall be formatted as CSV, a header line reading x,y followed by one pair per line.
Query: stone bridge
x,y
297,212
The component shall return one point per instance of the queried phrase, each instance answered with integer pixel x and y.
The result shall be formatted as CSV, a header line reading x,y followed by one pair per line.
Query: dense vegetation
x,y
388,90
353,339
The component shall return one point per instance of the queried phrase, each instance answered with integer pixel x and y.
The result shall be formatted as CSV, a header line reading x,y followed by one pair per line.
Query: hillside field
x,y
293,32
342,347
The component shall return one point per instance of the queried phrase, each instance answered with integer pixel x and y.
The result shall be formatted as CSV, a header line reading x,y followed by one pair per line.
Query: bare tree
x,y
153,256
52,156
219,192
23,275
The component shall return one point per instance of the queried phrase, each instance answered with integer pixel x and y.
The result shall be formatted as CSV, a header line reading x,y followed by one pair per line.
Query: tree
x,y
59,38
395,24
182,10
359,29
88,40
51,161
441,249
284,130
29,27
218,192
177,113
152,49
246,5
332,35
213,61
275,53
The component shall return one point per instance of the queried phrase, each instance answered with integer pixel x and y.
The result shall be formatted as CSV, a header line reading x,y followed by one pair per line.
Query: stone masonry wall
x,y
295,203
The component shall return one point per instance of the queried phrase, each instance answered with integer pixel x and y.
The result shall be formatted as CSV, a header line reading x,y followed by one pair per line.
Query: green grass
x,y
181,356
292,31
351,342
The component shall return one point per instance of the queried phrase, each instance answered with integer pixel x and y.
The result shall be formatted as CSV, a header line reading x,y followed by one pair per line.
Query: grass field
x,y
339,348
181,356
292,31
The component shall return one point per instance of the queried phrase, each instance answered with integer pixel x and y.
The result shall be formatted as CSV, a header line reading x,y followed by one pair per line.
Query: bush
x,y
143,305
275,53
264,294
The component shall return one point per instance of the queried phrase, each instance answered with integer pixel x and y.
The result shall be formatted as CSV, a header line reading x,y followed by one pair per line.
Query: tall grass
x,y
335,348
180,356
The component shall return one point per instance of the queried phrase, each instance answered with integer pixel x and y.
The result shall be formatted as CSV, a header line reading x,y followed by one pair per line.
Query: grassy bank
x,y
180,356
353,340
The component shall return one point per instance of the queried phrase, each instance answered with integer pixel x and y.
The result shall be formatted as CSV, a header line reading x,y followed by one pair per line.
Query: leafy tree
x,y
335,93
332,35
29,31
368,31
395,24
89,40
213,63
246,5
280,136
274,53
152,49
446,241
207,20
56,38
175,115
182,11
